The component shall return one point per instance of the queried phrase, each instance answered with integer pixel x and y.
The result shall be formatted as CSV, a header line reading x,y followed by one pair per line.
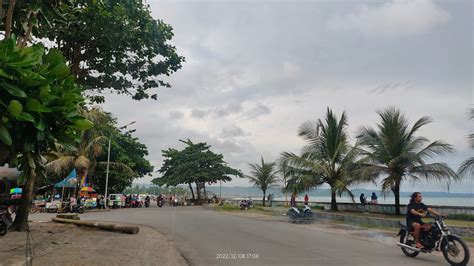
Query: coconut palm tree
x,y
83,156
467,167
263,176
327,159
394,153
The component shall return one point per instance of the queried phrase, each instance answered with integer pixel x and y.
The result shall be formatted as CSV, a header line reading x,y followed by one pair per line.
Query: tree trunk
x,y
396,193
264,193
8,18
21,219
198,191
333,201
192,191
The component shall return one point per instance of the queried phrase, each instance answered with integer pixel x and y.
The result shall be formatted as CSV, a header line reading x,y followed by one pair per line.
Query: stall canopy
x,y
69,182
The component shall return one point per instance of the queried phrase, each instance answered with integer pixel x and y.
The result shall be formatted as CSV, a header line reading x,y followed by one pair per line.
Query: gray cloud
x,y
199,113
266,67
176,115
391,19
233,131
259,110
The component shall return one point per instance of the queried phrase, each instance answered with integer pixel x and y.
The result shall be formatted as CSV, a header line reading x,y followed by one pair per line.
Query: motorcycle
x,y
246,204
159,201
300,215
437,238
136,204
79,208
5,220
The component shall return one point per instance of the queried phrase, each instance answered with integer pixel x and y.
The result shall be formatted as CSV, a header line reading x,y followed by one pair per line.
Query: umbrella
x,y
87,189
15,190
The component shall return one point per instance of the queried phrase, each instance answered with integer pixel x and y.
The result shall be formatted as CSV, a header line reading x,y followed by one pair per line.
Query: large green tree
x,y
263,176
327,158
394,153
39,102
112,45
125,150
195,164
127,156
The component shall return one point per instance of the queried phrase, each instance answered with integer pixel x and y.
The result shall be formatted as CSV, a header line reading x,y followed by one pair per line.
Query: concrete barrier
x,y
371,208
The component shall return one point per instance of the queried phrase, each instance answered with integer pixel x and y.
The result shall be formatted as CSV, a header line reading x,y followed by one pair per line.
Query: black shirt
x,y
418,207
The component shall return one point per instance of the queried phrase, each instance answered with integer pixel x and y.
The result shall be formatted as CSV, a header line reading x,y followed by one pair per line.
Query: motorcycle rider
x,y
159,200
415,211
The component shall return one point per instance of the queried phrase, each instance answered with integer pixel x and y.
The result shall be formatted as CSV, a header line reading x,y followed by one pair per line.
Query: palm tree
x,y
82,157
394,153
328,158
263,176
467,167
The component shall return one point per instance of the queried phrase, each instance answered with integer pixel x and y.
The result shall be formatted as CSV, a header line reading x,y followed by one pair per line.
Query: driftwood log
x,y
71,216
121,228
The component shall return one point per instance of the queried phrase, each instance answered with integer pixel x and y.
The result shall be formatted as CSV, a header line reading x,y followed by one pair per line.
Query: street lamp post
x,y
108,161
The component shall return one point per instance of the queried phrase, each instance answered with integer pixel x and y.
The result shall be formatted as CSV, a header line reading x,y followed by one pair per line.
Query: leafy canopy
x,y
113,45
39,100
196,163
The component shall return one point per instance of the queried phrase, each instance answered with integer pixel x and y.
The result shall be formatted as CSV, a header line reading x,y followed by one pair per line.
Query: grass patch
x,y
458,222
228,207
469,239
462,217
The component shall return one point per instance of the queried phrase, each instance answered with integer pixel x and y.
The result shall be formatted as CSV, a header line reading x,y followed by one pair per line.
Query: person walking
x,y
72,203
293,200
306,199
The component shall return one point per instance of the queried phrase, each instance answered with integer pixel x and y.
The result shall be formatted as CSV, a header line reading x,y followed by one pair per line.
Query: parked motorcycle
x,y
437,238
136,204
246,204
300,215
79,208
5,220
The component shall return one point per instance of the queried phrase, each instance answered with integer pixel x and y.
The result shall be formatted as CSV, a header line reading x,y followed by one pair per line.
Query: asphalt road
x,y
206,237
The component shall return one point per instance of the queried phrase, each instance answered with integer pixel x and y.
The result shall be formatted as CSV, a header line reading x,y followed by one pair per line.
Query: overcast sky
x,y
256,70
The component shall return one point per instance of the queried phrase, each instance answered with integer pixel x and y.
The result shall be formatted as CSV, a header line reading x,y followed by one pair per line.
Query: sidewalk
x,y
62,244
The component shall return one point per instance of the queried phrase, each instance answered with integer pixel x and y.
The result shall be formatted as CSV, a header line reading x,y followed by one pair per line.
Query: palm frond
x,y
120,167
60,165
435,148
466,170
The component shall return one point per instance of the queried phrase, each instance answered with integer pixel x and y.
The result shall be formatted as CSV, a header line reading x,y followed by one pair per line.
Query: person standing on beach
x,y
373,198
306,199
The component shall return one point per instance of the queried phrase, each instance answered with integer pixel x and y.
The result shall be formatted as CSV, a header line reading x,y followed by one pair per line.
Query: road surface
x,y
206,237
